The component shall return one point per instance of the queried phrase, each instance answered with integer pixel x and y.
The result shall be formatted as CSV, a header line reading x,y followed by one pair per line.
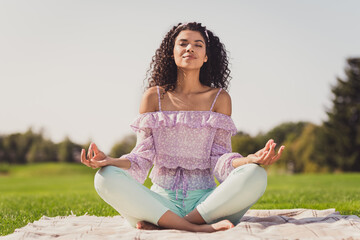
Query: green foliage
x,y
68,151
297,137
341,136
124,146
14,147
244,144
301,153
286,132
42,151
30,147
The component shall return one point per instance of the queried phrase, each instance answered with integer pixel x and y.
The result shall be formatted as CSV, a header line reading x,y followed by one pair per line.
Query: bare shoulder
x,y
149,101
223,103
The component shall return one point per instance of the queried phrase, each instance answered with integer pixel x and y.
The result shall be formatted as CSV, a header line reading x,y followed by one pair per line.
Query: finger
x,y
273,148
268,161
92,163
277,157
95,164
95,148
274,159
268,144
82,156
83,159
281,149
270,152
98,157
89,153
262,157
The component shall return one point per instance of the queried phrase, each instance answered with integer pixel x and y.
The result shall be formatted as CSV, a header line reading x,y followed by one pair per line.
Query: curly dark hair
x,y
213,73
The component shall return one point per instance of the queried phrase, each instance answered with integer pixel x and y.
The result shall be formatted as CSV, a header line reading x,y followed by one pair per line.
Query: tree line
x,y
332,146
32,147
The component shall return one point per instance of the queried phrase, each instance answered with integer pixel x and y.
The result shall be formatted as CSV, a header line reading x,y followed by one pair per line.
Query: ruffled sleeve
x,y
222,155
141,157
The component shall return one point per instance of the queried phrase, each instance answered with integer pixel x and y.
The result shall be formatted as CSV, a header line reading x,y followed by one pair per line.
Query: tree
x,y
301,154
287,134
245,144
124,146
342,129
68,151
15,146
42,151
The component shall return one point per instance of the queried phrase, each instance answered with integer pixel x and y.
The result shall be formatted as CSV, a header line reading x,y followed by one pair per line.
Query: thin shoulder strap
x,y
215,99
158,91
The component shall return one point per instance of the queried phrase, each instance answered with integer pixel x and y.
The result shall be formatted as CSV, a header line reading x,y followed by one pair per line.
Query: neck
x,y
188,81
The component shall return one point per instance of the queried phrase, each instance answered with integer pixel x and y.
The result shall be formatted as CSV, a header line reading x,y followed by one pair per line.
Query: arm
x,y
96,158
221,153
223,160
222,156
141,157
266,155
139,160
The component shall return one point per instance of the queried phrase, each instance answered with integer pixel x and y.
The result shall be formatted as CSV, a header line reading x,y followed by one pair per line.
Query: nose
x,y
189,48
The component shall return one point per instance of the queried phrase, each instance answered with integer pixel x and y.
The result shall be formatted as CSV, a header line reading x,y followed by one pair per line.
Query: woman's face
x,y
189,50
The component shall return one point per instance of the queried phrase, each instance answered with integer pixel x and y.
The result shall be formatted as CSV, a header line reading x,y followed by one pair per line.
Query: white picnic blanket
x,y
256,224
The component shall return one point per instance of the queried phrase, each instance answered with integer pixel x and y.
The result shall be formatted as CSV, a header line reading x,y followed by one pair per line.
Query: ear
x,y
206,58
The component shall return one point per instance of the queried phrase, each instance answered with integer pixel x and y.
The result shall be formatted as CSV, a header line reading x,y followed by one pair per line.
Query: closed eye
x,y
185,44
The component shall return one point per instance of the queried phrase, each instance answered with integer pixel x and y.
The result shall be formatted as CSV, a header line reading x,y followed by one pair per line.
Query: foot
x,y
147,226
222,225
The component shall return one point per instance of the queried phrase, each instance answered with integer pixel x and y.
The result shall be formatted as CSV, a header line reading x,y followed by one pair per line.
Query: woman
x,y
184,130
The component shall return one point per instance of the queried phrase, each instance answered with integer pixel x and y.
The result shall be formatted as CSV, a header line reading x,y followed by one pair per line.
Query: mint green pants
x,y
230,200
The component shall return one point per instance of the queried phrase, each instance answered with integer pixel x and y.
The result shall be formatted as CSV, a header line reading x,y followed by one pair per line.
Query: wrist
x,y
237,162
248,159
111,160
123,163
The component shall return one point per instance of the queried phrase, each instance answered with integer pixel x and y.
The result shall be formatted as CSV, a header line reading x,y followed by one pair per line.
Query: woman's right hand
x,y
95,158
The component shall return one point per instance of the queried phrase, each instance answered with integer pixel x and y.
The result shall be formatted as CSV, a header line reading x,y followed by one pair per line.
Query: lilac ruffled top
x,y
186,148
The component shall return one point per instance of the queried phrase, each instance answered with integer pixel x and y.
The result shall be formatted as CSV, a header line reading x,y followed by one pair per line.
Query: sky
x,y
76,68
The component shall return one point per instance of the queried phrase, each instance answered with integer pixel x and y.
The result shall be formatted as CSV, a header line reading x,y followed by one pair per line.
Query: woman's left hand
x,y
266,155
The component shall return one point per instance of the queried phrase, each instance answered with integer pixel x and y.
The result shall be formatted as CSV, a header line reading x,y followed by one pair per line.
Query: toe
x,y
140,225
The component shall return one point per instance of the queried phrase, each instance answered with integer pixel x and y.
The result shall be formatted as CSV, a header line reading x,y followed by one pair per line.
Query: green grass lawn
x,y
29,192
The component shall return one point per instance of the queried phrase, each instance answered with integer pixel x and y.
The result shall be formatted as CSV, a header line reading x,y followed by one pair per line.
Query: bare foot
x,y
222,225
219,226
147,226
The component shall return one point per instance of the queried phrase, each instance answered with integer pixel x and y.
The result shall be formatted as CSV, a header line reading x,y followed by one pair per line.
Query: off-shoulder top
x,y
186,148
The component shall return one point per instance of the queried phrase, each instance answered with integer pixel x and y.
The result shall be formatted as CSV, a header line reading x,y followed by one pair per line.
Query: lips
x,y
189,56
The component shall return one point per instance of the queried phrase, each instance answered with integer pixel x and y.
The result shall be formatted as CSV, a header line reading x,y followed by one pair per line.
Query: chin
x,y
189,67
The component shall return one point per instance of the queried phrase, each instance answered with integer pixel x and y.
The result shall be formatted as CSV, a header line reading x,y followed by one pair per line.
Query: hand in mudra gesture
x,y
266,155
95,158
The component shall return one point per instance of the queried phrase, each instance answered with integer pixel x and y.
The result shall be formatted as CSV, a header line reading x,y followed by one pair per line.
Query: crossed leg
x,y
230,201
218,210
138,203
